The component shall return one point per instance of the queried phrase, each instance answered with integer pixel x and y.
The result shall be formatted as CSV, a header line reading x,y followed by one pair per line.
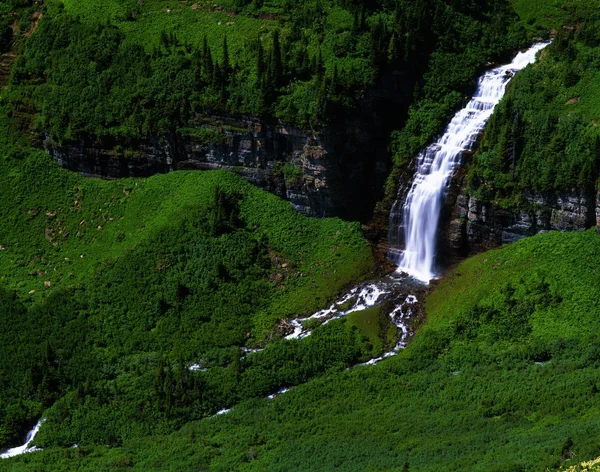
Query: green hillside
x,y
127,306
544,135
504,376
148,276
131,69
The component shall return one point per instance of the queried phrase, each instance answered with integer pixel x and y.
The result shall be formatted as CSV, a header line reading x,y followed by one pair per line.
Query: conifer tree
x,y
226,64
275,63
260,61
392,52
334,81
363,17
207,62
319,67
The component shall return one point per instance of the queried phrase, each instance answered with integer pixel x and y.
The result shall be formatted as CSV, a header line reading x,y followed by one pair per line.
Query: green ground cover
x,y
189,267
539,15
557,97
369,322
503,376
147,276
129,69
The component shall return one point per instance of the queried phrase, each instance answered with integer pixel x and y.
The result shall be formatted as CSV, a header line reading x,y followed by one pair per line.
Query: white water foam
x,y
437,162
398,316
281,391
16,451
367,297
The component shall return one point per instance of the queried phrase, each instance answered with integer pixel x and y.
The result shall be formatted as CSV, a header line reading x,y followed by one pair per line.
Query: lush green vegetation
x,y
16,17
111,289
503,376
129,69
544,135
463,51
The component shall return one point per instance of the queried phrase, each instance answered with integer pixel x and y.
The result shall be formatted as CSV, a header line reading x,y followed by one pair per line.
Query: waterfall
x,y
435,165
16,451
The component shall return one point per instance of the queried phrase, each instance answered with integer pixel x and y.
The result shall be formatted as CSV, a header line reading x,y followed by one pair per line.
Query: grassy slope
x,y
446,403
129,271
544,134
190,25
548,14
215,19
56,217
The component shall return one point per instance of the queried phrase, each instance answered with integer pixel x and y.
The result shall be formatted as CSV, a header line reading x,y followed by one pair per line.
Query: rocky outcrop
x,y
471,226
337,171
320,174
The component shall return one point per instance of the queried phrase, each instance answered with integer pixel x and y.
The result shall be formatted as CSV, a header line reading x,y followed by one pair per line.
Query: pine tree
x,y
392,52
260,61
236,365
356,20
334,81
321,100
164,39
197,68
159,384
363,17
207,62
319,66
277,69
226,64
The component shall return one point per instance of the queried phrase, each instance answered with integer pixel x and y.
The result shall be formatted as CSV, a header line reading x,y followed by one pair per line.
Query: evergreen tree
x,y
276,71
392,51
319,66
260,61
356,20
363,17
207,63
226,64
334,81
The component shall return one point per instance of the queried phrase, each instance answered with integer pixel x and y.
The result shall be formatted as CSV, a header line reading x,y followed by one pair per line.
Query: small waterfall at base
x,y
16,451
435,165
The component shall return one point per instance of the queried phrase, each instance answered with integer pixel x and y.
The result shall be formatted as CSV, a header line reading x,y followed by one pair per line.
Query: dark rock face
x,y
308,170
470,226
337,171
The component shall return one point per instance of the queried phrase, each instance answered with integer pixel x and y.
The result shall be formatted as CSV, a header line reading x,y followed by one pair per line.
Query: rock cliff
x,y
471,226
336,171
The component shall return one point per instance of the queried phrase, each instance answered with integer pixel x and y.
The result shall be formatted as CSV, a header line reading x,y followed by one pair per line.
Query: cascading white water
x,y
437,162
16,451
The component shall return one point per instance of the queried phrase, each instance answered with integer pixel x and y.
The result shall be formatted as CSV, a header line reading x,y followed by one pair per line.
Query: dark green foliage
x,y
127,283
467,36
98,79
149,276
6,34
509,318
544,136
